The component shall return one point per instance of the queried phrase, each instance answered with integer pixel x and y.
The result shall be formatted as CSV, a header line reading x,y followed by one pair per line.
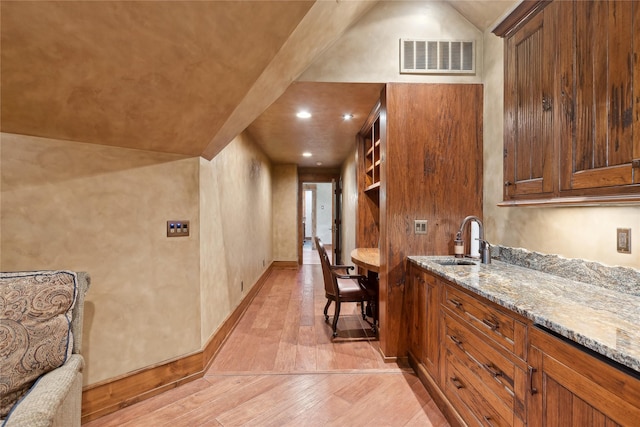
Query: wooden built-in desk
x,y
367,258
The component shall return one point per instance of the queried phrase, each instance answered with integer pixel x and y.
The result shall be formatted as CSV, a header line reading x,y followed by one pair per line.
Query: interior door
x,y
336,231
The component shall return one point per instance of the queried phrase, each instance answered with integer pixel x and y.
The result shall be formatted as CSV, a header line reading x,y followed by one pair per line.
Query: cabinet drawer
x,y
461,388
502,328
500,381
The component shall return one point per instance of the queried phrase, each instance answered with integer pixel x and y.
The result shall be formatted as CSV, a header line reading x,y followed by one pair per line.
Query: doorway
x,y
319,215
317,219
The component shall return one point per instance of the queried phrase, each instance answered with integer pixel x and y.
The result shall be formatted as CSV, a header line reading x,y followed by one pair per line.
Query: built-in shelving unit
x,y
410,167
372,156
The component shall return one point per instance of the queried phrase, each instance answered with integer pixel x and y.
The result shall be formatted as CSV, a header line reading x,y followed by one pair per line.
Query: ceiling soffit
x,y
160,76
326,135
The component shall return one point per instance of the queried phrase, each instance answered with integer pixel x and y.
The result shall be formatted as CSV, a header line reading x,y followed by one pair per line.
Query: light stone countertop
x,y
601,319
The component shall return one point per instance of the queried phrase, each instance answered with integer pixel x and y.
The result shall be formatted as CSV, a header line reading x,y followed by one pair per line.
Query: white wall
x,y
324,214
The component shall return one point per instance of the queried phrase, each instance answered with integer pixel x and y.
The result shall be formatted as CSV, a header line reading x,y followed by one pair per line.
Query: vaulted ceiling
x,y
182,77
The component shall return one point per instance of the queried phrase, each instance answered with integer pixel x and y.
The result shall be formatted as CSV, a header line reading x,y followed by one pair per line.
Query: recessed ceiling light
x,y
306,154
319,163
303,115
347,116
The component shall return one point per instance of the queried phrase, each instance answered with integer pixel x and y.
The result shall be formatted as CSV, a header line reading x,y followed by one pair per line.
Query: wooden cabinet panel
x,y
572,125
492,374
528,139
479,379
423,306
601,150
430,156
496,324
432,341
417,309
569,387
465,389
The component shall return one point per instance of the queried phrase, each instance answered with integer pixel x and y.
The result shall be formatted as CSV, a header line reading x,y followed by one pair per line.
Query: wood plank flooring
x,y
279,367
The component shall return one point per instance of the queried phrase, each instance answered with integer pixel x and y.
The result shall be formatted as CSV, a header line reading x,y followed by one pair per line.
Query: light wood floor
x,y
310,253
280,367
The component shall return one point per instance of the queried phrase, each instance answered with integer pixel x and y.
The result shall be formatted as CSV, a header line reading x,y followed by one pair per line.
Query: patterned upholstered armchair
x,y
40,343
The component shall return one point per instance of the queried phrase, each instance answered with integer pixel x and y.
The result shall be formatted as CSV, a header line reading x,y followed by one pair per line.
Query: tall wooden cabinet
x,y
572,101
430,168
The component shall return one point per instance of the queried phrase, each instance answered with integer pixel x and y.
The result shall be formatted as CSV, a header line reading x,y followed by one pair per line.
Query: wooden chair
x,y
340,286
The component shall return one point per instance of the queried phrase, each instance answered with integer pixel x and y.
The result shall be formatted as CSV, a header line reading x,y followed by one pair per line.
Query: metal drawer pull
x,y
532,389
455,302
493,370
456,383
492,325
455,340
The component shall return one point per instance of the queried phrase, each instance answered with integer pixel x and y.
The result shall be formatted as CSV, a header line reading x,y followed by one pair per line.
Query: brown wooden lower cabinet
x,y
570,387
423,291
487,366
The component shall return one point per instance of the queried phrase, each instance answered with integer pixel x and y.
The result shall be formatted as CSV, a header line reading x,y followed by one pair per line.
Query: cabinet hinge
x,y
635,163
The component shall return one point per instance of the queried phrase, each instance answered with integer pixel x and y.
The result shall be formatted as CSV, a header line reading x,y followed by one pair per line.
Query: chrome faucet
x,y
485,247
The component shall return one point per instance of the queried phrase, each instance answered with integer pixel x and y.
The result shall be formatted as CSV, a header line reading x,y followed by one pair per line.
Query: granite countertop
x,y
604,320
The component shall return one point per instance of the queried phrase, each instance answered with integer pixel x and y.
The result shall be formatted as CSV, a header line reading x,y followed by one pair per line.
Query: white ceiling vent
x,y
437,56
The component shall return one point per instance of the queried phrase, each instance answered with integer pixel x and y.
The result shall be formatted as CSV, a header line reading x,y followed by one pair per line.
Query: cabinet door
x,y
424,305
570,388
417,312
600,118
431,348
528,143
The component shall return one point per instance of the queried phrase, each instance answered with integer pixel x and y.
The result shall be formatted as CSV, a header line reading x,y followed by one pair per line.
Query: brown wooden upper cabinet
x,y
572,102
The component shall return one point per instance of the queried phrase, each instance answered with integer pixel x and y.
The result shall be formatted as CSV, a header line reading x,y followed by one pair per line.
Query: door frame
x,y
314,175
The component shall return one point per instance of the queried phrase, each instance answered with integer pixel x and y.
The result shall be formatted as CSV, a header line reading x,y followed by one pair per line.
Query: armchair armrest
x,y
362,280
349,276
50,401
341,267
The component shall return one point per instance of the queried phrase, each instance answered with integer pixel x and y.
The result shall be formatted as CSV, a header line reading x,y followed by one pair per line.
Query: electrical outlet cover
x,y
624,240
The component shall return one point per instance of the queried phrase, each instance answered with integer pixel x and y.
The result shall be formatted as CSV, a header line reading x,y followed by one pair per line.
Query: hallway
x,y
279,367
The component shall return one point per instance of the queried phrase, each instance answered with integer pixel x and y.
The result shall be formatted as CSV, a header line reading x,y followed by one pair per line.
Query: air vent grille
x,y
437,56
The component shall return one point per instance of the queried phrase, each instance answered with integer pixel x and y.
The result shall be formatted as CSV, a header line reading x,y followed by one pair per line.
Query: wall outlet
x,y
420,226
624,240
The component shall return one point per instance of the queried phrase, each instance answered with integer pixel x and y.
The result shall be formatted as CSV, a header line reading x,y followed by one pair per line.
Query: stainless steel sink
x,y
454,262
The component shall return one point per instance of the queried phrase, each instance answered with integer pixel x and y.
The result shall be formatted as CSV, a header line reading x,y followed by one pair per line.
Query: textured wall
x,y
370,50
368,54
285,213
68,205
236,238
576,232
104,210
349,204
